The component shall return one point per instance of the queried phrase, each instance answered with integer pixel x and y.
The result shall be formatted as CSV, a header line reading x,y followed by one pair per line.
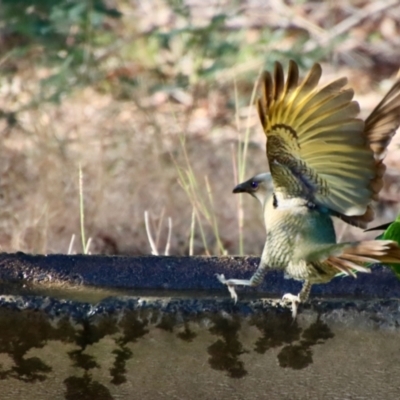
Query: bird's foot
x,y
294,301
230,285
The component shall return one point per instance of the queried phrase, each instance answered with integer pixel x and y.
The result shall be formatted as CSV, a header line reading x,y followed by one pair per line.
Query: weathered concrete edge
x,y
361,314
181,273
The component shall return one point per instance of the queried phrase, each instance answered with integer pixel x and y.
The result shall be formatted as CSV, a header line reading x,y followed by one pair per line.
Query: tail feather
x,y
369,251
382,250
346,266
337,264
360,259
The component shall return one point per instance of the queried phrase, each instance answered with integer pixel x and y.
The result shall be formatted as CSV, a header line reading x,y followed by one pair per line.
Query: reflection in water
x,y
225,352
317,333
299,355
295,356
186,334
167,323
18,336
277,329
84,388
24,330
133,326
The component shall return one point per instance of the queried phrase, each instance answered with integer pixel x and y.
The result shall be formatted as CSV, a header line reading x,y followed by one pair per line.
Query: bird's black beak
x,y
241,188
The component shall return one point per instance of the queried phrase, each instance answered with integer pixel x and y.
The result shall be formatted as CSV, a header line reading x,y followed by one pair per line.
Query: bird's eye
x,y
254,184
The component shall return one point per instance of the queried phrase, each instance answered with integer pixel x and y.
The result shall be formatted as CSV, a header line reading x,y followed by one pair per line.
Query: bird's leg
x,y
255,280
294,300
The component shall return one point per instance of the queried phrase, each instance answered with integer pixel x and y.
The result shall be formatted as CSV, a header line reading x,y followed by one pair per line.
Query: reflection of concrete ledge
x,y
367,313
93,327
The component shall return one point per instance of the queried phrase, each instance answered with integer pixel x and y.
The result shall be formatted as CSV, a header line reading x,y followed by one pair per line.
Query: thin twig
x,y
242,162
213,217
71,244
81,209
192,227
167,246
324,38
348,23
234,166
239,203
89,242
149,237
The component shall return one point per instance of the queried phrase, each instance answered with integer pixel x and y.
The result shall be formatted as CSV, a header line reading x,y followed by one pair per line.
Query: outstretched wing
x,y
383,122
316,146
380,127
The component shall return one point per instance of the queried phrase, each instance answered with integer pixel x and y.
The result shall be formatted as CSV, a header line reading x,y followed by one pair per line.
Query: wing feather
x,y
318,149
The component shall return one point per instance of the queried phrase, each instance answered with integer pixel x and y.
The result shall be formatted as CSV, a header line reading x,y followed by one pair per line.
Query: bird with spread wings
x,y
324,162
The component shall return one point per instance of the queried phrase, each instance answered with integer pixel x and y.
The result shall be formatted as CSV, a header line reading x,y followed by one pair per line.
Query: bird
x,y
324,162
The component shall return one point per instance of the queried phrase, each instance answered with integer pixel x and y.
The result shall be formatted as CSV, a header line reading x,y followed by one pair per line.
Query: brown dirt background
x,y
129,141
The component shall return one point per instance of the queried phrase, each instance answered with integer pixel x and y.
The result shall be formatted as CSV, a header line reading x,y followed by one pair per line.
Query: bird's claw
x,y
230,286
294,301
221,278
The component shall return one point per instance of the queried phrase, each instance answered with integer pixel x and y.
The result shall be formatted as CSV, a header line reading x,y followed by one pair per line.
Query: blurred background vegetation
x,y
153,99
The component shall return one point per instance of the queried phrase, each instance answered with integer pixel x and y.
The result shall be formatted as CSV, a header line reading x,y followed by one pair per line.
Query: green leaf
x,y
393,233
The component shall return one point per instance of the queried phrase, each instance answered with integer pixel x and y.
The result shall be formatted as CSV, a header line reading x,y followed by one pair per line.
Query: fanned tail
x,y
370,251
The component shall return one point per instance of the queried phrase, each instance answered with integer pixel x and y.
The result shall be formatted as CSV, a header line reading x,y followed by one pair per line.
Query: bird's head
x,y
258,186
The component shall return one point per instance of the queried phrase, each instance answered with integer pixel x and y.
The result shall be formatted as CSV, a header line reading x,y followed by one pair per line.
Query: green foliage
x,y
393,233
58,25
210,47
85,42
61,35
215,49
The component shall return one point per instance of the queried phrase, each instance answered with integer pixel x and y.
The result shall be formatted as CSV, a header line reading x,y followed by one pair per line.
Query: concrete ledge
x,y
181,273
